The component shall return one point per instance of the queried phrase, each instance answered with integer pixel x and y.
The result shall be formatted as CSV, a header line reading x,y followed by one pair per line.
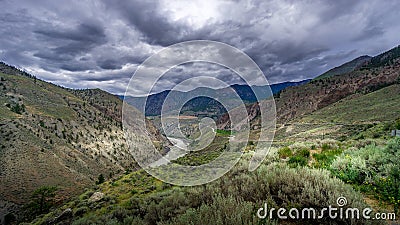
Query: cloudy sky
x,y
99,44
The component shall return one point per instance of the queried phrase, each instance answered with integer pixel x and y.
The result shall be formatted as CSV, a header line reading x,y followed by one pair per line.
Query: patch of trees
x,y
42,200
17,108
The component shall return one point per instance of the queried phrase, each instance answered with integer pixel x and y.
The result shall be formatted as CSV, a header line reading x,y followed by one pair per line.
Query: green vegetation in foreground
x,y
138,198
325,158
224,132
372,169
368,167
205,155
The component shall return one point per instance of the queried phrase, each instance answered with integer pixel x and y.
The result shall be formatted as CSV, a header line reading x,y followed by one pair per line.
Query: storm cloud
x,y
100,44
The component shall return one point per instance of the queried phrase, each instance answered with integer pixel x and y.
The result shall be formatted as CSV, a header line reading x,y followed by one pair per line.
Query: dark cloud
x,y
75,41
87,33
145,16
75,67
100,44
109,64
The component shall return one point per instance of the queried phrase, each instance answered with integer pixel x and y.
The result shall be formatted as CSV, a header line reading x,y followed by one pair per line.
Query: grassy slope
x,y
381,105
344,68
60,139
39,97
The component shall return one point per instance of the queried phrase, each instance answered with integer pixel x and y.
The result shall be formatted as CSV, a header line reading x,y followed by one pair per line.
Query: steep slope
x,y
381,71
346,67
51,135
378,106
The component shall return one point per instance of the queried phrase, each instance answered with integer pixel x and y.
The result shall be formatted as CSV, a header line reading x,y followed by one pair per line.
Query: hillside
x,y
346,67
381,105
297,101
336,107
55,136
382,70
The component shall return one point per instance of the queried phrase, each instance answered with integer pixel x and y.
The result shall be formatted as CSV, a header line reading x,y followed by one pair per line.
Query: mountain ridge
x,y
345,67
245,92
378,72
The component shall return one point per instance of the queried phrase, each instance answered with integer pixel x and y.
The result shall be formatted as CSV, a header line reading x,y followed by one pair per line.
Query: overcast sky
x,y
99,44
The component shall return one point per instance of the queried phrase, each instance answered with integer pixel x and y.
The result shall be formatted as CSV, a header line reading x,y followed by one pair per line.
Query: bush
x,y
297,160
232,199
325,147
100,179
397,124
80,211
328,144
222,210
372,165
17,108
325,158
314,188
388,188
304,153
285,152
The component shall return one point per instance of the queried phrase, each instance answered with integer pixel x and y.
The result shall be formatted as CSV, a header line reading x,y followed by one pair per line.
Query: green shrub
x,y
388,188
325,158
325,147
285,152
350,169
373,168
303,152
314,187
232,199
17,108
80,211
100,179
397,124
297,160
222,210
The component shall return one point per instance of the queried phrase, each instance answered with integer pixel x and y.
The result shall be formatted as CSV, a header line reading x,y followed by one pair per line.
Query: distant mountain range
x,y
207,105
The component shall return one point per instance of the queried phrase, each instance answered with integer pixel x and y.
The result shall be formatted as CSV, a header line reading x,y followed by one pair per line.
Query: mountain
x,y
205,105
346,67
296,102
381,71
378,106
276,88
56,136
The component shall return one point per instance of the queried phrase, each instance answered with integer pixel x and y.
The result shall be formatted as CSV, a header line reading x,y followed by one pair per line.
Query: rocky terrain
x,y
50,135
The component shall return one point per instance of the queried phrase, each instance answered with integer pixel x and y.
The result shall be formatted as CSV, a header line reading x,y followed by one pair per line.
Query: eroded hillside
x,y
55,136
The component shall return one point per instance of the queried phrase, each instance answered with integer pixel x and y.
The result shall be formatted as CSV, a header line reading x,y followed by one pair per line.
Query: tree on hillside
x,y
100,179
397,124
42,200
